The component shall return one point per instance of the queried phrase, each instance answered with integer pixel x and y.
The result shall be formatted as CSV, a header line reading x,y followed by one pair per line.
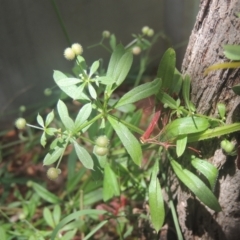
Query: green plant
x,y
102,114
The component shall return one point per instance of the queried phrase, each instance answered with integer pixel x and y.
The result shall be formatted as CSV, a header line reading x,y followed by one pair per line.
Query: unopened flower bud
x,y
150,32
145,29
20,123
106,34
69,54
136,50
77,48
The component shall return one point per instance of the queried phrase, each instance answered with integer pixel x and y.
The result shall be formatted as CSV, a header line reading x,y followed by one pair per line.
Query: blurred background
x,y
32,40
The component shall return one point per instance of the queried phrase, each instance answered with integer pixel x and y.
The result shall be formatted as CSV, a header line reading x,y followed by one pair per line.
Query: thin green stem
x,y
33,126
56,9
173,210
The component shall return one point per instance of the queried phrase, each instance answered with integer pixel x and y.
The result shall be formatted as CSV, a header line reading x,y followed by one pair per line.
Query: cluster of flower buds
x,y
71,52
101,147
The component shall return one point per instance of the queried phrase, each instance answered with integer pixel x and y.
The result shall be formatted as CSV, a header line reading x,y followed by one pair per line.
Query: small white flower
x,y
77,48
106,34
136,50
69,54
145,29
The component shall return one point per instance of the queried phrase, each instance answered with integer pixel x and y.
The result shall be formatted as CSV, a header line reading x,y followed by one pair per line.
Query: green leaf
x,y
112,41
73,91
94,230
156,202
74,216
94,68
128,140
177,80
83,115
167,99
44,193
140,92
49,118
65,82
63,113
123,68
92,91
48,217
3,234
232,52
52,157
50,131
196,186
214,132
110,183
236,89
181,145
186,91
106,80
43,139
40,120
207,169
115,57
83,155
166,70
56,214
184,126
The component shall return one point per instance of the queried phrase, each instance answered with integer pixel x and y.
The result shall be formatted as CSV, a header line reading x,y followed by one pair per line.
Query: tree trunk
x,y
216,25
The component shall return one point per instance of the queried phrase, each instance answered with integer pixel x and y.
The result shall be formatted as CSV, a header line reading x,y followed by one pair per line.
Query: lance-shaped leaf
x,y
177,80
43,139
207,169
167,99
115,57
44,193
83,115
65,82
63,113
140,92
106,80
53,156
186,91
196,185
83,155
183,126
123,68
156,202
40,120
94,68
166,70
181,145
73,91
110,183
74,216
49,118
131,144
92,91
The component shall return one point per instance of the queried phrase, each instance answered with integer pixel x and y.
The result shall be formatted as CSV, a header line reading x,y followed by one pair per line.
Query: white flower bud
x,y
20,123
77,48
145,29
150,32
106,34
69,54
136,50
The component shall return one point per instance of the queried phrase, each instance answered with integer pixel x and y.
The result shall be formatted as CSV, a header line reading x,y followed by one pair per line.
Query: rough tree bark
x,y
216,25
